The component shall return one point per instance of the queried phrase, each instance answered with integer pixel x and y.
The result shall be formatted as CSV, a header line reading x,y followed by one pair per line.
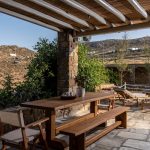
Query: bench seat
x,y
77,132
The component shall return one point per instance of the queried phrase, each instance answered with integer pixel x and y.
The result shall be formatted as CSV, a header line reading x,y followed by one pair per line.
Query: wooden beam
x,y
61,12
20,16
115,29
38,13
138,8
86,10
111,9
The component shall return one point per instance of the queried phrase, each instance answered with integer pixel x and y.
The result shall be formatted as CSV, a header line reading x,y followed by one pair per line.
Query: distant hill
x,y
14,61
112,44
106,50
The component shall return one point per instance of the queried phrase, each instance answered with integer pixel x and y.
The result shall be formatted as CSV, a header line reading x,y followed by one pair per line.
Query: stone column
x,y
67,56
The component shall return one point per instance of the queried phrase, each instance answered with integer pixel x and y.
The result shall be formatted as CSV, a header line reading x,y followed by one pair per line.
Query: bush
x,y
91,71
6,94
42,71
113,77
41,78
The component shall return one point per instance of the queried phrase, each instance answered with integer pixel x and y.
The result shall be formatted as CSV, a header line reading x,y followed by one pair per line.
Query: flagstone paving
x,y
135,137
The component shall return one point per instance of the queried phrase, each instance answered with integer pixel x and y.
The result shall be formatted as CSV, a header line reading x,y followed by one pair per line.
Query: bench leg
x,y
142,105
77,142
123,118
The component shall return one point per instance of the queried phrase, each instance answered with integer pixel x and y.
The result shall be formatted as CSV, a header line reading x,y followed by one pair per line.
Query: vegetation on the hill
x,y
41,78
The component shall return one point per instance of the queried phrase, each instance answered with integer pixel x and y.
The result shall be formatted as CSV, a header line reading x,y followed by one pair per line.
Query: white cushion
x,y
16,135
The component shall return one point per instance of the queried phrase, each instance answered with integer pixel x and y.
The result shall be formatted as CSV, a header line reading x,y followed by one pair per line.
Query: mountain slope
x,y
14,61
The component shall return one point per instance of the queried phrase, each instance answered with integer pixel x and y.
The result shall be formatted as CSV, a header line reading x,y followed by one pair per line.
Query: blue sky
x,y
15,31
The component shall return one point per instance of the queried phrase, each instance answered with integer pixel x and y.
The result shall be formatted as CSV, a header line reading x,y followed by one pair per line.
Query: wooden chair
x,y
106,106
23,135
126,95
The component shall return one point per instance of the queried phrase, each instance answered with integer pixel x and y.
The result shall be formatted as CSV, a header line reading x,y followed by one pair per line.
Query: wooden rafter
x,y
85,17
115,29
86,10
29,19
138,8
61,12
112,9
38,13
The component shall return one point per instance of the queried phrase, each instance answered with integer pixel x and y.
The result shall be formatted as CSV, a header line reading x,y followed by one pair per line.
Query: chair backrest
x,y
129,94
12,118
124,93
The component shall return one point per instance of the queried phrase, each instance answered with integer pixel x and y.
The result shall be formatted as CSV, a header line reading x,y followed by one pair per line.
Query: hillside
x,y
14,61
106,49
112,44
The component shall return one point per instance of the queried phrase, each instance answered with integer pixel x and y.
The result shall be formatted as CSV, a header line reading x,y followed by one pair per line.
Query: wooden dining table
x,y
51,105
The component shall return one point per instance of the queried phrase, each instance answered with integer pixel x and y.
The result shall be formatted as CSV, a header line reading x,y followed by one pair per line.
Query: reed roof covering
x,y
85,17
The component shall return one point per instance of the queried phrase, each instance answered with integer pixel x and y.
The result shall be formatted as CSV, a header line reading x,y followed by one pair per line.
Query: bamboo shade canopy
x,y
85,17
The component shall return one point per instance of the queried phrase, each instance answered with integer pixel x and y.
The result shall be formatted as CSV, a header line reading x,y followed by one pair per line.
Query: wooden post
x,y
123,118
51,132
93,107
50,125
77,142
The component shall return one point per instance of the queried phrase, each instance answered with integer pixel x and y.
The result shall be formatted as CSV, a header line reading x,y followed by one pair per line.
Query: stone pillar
x,y
67,56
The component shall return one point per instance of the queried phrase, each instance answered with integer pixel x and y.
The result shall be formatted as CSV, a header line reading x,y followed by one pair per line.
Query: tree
x,y
120,61
91,71
42,71
147,56
6,94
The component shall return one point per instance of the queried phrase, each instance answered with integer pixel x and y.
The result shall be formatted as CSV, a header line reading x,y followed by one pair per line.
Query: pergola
x,y
74,18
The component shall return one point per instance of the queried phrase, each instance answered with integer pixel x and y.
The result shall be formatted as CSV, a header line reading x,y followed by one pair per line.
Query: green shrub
x,y
113,77
91,71
42,71
41,78
7,93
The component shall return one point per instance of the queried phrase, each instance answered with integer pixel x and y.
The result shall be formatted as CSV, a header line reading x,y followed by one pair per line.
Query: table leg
x,y
50,125
51,132
93,107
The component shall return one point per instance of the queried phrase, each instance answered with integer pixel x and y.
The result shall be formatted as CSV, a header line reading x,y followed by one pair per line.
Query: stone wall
x,y
137,74
67,61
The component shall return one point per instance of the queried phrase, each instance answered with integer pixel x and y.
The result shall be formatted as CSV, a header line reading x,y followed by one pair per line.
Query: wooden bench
x,y
77,132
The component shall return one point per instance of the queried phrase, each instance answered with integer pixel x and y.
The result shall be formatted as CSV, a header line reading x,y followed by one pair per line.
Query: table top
x,y
55,103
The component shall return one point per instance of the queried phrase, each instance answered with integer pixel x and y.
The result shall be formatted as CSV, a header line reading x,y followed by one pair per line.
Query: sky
x,y
14,31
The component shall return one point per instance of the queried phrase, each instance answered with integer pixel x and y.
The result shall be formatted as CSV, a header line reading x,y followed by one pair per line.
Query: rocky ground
x,y
14,61
135,137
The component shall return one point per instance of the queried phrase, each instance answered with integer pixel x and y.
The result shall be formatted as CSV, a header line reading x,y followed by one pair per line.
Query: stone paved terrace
x,y
135,137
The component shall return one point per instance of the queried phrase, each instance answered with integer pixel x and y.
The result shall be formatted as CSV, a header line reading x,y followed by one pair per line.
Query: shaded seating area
x,y
73,19
127,96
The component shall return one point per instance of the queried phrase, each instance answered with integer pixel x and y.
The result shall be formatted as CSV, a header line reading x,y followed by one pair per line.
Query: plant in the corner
x,y
91,71
81,81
